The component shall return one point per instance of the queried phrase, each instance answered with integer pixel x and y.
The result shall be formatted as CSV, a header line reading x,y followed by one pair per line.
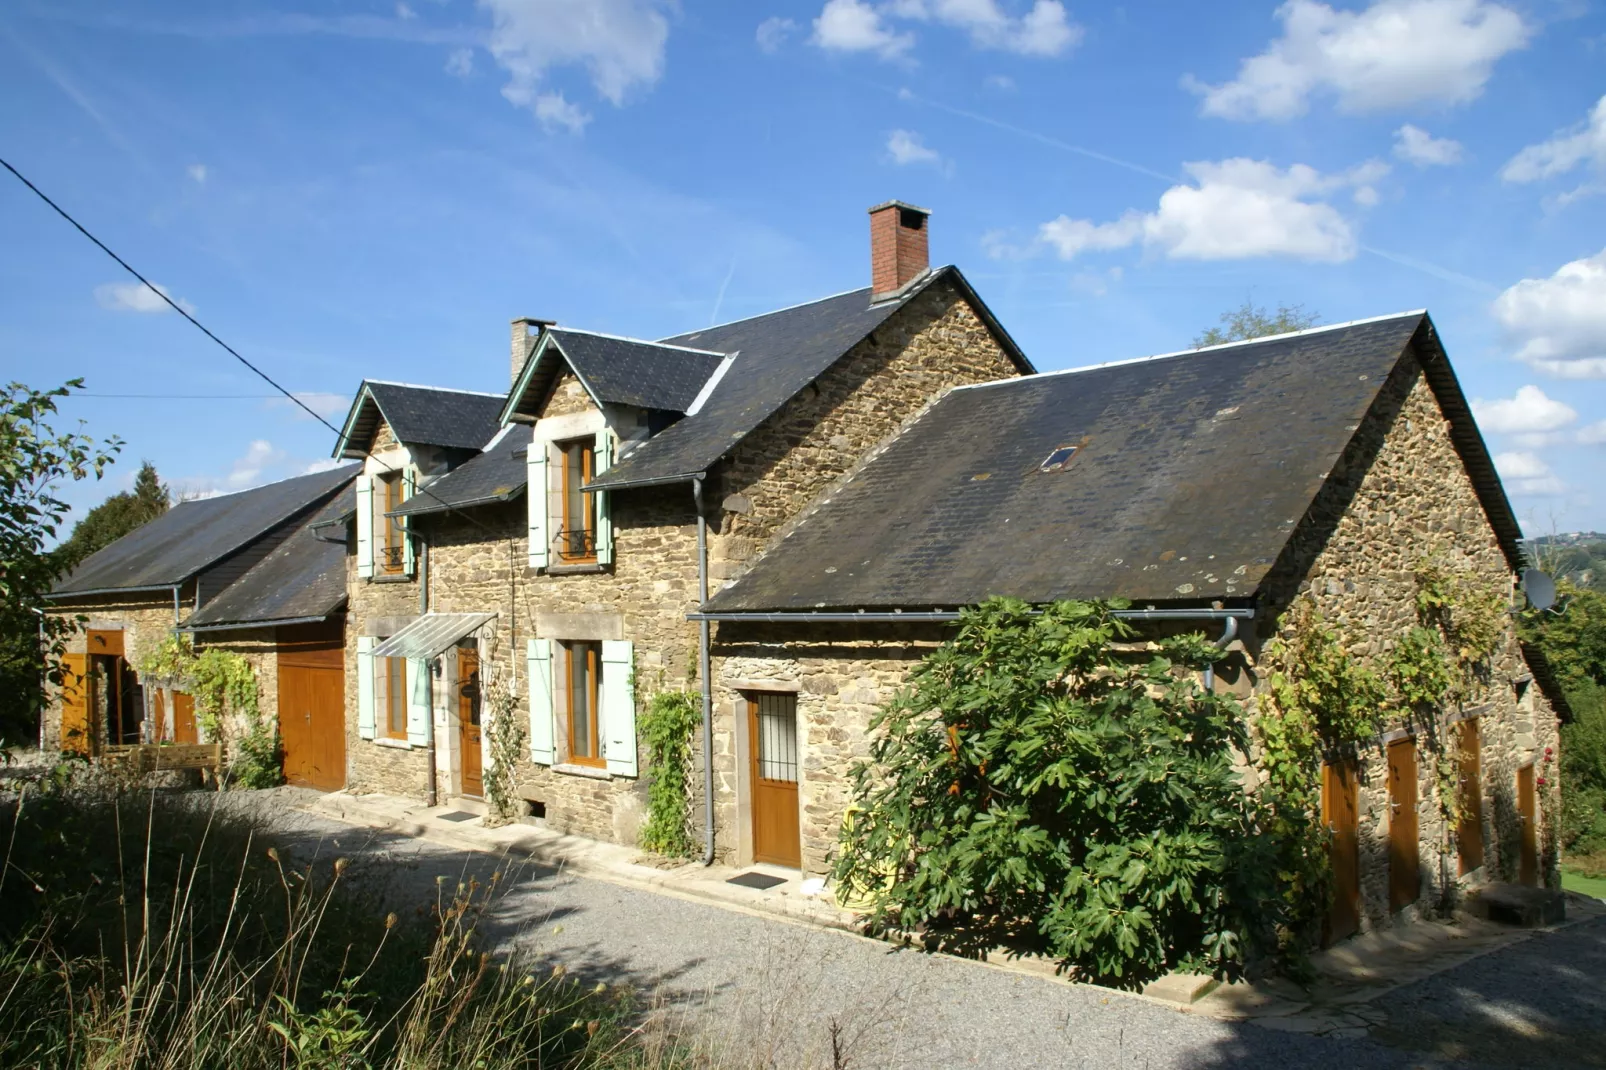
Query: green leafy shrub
x,y
667,727
223,681
1034,786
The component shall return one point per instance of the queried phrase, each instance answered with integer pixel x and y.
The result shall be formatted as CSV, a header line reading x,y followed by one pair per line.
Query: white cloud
x,y
1045,30
905,147
1532,419
135,297
1415,145
1527,475
620,43
1593,435
247,471
197,171
554,110
1238,208
773,32
855,26
404,12
1394,53
1562,153
460,63
1003,83
324,404
323,464
1559,323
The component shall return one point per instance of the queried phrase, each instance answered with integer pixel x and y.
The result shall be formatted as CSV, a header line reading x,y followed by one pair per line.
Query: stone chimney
x,y
898,250
524,341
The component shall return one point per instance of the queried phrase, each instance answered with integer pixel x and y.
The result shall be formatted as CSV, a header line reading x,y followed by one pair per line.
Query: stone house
x,y
246,572
1225,489
563,560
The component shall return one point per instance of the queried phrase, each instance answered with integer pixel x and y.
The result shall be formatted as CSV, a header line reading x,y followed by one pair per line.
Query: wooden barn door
x,y
468,720
184,730
1469,832
773,767
312,710
1527,814
1405,878
1341,815
77,734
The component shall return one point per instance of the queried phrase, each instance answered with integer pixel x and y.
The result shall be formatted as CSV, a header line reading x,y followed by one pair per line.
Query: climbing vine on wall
x,y
222,681
505,736
667,728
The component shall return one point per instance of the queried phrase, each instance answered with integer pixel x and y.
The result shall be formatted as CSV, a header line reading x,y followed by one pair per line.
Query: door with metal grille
x,y
773,765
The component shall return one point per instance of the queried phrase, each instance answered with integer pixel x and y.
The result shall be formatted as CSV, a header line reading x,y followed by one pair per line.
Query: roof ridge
x,y
1191,352
437,389
637,341
259,486
775,311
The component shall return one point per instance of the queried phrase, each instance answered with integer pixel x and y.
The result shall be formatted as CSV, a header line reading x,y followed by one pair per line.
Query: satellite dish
x,y
1540,589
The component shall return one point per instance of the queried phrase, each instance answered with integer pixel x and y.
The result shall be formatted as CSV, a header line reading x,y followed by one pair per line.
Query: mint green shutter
x,y
538,662
535,495
365,526
409,488
418,713
365,685
618,702
602,460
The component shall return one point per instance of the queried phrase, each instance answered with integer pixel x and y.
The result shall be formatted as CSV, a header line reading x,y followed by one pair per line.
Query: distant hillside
x,y
1579,556
1571,538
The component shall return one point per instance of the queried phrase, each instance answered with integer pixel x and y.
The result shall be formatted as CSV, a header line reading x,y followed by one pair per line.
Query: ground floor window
x,y
390,696
582,671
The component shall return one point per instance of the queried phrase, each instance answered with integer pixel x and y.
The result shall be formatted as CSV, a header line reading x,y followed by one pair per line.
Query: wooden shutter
x,y
419,719
538,662
535,495
409,488
365,528
365,685
76,733
602,460
618,702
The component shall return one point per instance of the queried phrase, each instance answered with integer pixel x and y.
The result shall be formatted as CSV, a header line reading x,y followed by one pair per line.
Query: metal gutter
x,y
241,626
703,671
453,506
948,616
57,595
657,481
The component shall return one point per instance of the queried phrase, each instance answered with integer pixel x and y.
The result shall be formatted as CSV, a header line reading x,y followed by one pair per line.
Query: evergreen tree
x,y
115,517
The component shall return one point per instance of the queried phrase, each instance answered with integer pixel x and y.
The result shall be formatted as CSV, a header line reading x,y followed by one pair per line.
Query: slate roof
x,y
195,534
1191,473
420,415
497,475
776,355
625,371
304,577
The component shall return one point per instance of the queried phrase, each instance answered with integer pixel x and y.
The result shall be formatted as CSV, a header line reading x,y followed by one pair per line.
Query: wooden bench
x,y
161,757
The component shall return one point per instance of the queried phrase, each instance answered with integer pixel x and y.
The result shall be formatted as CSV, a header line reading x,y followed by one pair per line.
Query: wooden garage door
x,y
312,720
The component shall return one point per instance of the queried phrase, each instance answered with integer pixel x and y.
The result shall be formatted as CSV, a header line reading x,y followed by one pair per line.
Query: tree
x,y
1038,787
115,517
1573,639
1247,321
34,460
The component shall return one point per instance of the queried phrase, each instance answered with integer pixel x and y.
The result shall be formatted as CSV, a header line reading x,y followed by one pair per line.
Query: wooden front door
x,y
184,719
468,720
1469,795
773,766
1341,815
312,711
1527,815
1404,861
77,734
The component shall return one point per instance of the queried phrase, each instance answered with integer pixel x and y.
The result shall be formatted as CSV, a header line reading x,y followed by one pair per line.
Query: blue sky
x,y
375,188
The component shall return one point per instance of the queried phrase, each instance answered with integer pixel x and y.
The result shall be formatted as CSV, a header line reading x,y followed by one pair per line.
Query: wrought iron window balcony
x,y
574,545
393,558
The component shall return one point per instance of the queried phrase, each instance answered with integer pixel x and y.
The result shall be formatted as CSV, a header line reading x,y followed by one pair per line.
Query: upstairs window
x,y
576,541
392,544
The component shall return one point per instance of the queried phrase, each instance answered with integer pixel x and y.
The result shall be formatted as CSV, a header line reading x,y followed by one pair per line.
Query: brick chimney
x,y
897,246
524,341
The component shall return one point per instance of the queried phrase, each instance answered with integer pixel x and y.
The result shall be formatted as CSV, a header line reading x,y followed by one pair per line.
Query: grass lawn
x,y
1577,882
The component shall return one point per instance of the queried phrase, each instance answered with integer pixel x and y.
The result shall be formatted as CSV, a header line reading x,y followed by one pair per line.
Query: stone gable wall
x,y
375,765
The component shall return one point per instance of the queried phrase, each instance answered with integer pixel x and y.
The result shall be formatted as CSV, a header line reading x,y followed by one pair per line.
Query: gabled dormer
x,y
406,436
590,398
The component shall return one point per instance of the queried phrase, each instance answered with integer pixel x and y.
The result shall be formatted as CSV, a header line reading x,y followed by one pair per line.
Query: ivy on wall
x,y
222,681
505,736
667,729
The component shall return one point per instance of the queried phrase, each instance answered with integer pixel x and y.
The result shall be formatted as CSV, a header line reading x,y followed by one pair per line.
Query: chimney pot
x,y
521,341
899,251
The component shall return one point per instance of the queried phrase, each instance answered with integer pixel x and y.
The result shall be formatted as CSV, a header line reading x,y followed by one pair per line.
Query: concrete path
x,y
771,990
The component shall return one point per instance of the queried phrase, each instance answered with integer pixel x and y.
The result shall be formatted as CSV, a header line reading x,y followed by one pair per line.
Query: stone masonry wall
x,y
389,766
645,595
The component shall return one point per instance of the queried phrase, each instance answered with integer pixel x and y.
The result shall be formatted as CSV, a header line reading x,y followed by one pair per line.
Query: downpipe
x,y
421,549
1228,634
702,672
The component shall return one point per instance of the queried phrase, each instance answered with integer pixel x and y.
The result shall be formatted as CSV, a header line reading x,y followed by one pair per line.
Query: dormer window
x,y
391,548
576,541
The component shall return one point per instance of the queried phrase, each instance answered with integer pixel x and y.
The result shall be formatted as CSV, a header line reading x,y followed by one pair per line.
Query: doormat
x,y
456,815
761,881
